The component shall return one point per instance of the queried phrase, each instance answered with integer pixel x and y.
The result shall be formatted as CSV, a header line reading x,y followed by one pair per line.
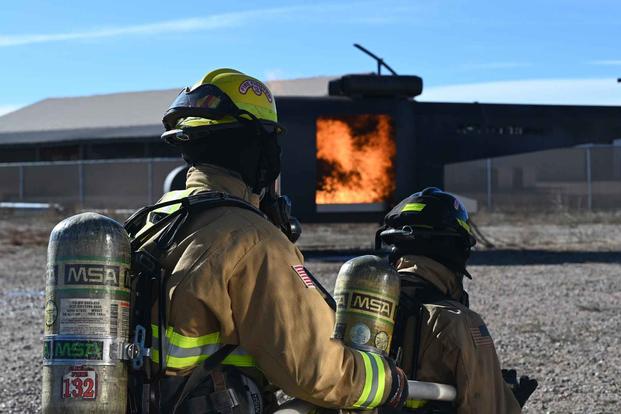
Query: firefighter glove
x,y
523,388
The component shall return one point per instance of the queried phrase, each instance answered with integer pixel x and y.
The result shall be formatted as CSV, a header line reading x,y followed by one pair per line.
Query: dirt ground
x,y
550,292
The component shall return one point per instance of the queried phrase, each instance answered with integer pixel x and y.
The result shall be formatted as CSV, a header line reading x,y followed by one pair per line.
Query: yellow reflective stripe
x,y
155,330
190,342
178,362
246,361
239,360
182,341
465,225
374,381
179,344
415,403
368,380
413,207
173,195
381,381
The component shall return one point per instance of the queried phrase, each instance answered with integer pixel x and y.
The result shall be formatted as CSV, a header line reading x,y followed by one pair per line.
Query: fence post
x,y
81,182
21,182
587,155
150,180
488,165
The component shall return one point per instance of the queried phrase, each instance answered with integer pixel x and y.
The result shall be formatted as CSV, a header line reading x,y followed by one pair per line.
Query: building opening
x,y
355,162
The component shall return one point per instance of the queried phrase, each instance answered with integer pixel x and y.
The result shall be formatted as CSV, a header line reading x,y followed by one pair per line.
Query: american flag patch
x,y
301,272
481,336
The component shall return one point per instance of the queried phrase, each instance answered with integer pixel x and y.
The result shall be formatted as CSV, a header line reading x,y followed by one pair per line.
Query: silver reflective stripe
x,y
179,352
374,384
374,381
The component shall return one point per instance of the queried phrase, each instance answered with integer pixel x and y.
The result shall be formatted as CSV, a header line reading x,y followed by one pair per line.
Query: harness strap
x,y
200,373
151,272
425,293
199,201
413,305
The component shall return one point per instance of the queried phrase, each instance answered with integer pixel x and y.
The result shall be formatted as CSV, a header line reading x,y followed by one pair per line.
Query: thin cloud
x,y
531,91
183,25
496,65
213,22
606,62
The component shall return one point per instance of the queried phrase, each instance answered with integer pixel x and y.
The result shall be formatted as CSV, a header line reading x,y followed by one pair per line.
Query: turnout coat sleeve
x,y
286,325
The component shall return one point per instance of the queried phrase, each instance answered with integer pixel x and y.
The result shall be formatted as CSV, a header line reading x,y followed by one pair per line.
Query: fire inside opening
x,y
355,159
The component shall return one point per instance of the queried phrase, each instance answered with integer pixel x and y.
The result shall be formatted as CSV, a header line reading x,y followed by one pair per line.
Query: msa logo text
x,y
92,274
67,349
372,304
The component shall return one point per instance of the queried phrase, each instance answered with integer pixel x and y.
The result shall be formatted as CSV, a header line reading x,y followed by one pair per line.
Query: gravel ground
x,y
550,294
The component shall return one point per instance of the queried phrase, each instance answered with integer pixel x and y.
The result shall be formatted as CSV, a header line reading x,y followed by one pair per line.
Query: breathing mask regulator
x,y
278,209
430,223
229,119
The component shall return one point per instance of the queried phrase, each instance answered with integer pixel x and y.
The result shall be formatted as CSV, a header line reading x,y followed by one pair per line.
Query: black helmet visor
x,y
206,101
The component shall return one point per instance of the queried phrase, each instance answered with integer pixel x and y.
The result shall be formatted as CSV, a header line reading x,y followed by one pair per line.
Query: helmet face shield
x,y
206,101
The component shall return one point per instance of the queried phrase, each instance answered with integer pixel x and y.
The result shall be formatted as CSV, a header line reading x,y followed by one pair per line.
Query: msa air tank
x,y
367,296
86,316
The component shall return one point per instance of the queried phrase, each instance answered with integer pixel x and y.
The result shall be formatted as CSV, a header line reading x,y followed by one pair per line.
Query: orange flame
x,y
355,159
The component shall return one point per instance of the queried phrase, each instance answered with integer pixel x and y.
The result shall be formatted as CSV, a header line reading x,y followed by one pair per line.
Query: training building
x,y
354,146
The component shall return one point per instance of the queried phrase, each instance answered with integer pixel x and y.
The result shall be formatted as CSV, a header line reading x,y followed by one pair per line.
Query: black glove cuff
x,y
399,388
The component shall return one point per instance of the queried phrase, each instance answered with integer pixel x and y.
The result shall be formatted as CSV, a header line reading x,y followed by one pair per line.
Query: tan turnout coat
x,y
456,347
233,280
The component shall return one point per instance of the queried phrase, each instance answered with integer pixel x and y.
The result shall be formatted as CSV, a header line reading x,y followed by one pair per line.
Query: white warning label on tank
x,y
96,317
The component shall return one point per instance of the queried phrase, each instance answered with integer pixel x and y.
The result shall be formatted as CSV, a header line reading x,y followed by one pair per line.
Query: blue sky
x,y
546,51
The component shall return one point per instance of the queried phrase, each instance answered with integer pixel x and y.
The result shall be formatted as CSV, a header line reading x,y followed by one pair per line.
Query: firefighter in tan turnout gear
x,y
236,278
440,338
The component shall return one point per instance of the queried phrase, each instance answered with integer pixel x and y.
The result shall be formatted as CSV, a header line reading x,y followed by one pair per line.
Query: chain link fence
x,y
581,178
94,184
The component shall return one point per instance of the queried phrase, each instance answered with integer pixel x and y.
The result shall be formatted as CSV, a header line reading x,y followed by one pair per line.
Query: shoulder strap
x,y
206,200
199,202
426,292
413,305
169,226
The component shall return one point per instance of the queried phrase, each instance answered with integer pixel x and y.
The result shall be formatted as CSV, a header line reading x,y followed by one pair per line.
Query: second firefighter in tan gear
x,y
455,345
236,279
440,338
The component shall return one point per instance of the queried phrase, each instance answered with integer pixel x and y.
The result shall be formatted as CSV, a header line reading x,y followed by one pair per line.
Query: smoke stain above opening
x,y
355,159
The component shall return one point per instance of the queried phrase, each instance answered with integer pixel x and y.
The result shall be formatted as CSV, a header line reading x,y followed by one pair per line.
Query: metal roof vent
x,y
376,86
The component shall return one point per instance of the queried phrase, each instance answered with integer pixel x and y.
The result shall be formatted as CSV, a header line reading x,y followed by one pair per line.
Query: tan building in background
x,y
580,178
104,151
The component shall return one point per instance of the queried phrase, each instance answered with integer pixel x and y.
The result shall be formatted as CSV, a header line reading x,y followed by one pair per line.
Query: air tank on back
x,y
86,316
367,295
